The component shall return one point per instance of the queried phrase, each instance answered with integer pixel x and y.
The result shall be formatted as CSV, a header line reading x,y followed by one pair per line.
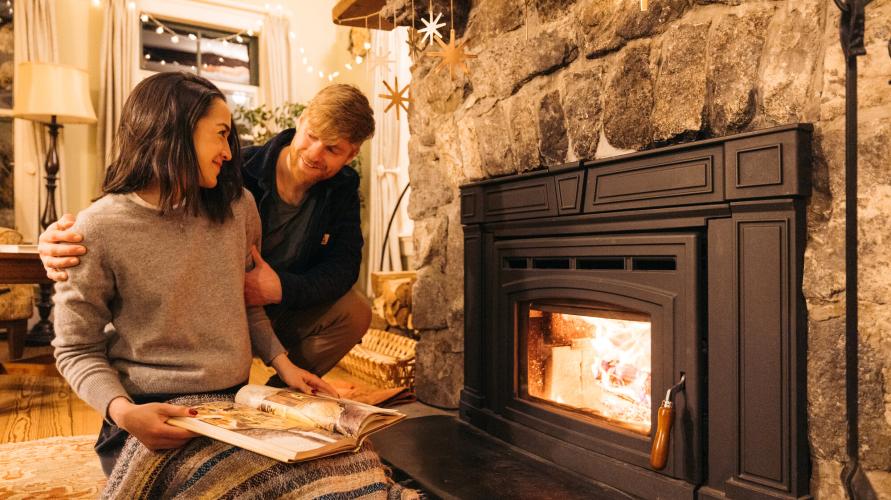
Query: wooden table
x,y
20,264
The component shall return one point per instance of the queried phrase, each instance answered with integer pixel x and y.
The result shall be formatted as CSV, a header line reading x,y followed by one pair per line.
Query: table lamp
x,y
53,94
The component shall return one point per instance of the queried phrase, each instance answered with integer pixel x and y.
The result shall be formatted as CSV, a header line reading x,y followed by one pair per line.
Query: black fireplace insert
x,y
593,288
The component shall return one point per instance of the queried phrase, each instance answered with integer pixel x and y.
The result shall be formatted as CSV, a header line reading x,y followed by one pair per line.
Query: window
x,y
217,55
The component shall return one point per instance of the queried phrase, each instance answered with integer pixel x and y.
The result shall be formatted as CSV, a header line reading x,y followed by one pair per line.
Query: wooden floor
x,y
35,402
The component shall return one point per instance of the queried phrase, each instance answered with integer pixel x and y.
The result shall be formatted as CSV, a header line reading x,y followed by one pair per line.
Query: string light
x,y
161,28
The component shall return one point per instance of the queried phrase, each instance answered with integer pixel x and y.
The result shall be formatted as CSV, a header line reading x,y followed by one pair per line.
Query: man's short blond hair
x,y
340,111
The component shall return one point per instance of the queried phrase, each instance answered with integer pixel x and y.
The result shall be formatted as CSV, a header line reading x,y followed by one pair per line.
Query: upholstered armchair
x,y
16,302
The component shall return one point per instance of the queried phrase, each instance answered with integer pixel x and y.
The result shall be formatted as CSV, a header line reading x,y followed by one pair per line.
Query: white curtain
x,y
276,78
389,157
35,40
119,61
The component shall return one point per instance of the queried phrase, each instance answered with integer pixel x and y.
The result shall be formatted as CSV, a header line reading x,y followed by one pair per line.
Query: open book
x,y
287,425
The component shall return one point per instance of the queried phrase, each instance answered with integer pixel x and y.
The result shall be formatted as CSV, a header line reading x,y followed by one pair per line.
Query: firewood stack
x,y
392,297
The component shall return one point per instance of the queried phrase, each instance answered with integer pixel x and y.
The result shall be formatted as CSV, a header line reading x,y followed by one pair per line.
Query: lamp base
x,y
42,333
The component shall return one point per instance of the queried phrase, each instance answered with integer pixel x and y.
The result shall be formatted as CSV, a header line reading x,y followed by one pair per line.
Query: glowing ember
x,y
598,365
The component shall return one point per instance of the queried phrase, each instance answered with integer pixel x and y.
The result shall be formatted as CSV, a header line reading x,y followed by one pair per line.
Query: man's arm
x,y
262,285
55,248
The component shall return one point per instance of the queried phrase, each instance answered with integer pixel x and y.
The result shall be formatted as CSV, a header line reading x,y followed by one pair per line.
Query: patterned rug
x,y
56,467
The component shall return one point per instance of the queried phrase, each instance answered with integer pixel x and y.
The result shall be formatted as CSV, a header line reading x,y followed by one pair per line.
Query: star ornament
x,y
396,96
452,55
379,59
431,28
415,44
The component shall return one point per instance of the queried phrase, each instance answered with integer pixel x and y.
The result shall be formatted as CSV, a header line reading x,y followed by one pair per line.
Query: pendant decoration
x,y
431,28
379,59
452,54
415,44
396,96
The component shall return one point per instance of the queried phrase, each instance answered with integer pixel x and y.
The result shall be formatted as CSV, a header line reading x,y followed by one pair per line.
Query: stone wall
x,y
561,80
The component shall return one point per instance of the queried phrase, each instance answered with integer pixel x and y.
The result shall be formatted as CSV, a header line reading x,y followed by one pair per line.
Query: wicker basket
x,y
383,359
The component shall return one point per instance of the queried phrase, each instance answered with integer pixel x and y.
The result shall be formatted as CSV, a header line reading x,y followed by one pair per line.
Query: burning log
x,y
565,375
580,376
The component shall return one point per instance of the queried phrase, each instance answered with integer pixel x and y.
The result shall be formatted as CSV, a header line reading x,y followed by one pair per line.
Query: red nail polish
x,y
193,412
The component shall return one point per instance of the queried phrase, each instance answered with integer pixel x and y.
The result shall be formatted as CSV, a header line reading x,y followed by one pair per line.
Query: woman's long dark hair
x,y
154,141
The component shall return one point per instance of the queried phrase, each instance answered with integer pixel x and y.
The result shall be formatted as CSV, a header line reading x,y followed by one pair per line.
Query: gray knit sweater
x,y
173,289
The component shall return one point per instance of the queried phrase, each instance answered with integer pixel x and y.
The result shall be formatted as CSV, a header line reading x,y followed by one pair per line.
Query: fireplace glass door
x,y
589,333
593,360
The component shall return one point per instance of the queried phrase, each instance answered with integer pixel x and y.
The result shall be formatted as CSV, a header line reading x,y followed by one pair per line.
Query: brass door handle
x,y
664,419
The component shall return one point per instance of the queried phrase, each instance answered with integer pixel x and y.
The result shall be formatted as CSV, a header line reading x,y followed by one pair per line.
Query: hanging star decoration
x,y
431,28
396,96
452,55
379,58
415,44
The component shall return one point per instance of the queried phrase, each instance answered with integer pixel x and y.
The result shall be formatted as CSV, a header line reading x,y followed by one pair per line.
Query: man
x,y
312,241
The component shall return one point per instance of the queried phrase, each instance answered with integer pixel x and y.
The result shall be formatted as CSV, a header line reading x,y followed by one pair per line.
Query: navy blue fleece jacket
x,y
328,264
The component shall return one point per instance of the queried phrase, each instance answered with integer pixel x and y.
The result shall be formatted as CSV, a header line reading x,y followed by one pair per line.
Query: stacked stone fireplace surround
x,y
556,81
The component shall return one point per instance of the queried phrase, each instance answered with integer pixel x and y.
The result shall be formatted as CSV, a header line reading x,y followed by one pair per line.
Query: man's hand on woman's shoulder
x,y
56,249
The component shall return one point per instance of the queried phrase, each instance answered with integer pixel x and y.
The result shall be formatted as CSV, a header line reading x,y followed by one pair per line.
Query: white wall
x,y
79,34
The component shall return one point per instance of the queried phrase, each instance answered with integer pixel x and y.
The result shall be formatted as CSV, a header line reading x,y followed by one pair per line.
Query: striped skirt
x,y
206,468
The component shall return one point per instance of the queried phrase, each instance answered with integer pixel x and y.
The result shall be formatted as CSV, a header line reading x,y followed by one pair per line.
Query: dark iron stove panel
x,y
704,243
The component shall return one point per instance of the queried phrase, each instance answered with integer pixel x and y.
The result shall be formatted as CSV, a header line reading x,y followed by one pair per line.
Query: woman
x,y
170,239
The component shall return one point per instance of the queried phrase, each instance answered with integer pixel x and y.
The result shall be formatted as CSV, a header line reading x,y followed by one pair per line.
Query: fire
x,y
598,365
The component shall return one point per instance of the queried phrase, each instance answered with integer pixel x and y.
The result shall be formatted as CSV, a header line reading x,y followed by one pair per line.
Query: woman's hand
x,y
148,423
54,253
300,379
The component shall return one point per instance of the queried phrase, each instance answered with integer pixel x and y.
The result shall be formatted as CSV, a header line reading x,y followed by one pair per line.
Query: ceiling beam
x,y
354,12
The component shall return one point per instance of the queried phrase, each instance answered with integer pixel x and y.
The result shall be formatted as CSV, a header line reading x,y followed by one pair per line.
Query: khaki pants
x,y
318,337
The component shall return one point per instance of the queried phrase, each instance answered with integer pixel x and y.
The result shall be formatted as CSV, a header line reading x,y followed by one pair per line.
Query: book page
x,y
333,415
294,435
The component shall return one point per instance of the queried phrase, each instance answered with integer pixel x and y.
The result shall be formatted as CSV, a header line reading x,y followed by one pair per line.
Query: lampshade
x,y
44,90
